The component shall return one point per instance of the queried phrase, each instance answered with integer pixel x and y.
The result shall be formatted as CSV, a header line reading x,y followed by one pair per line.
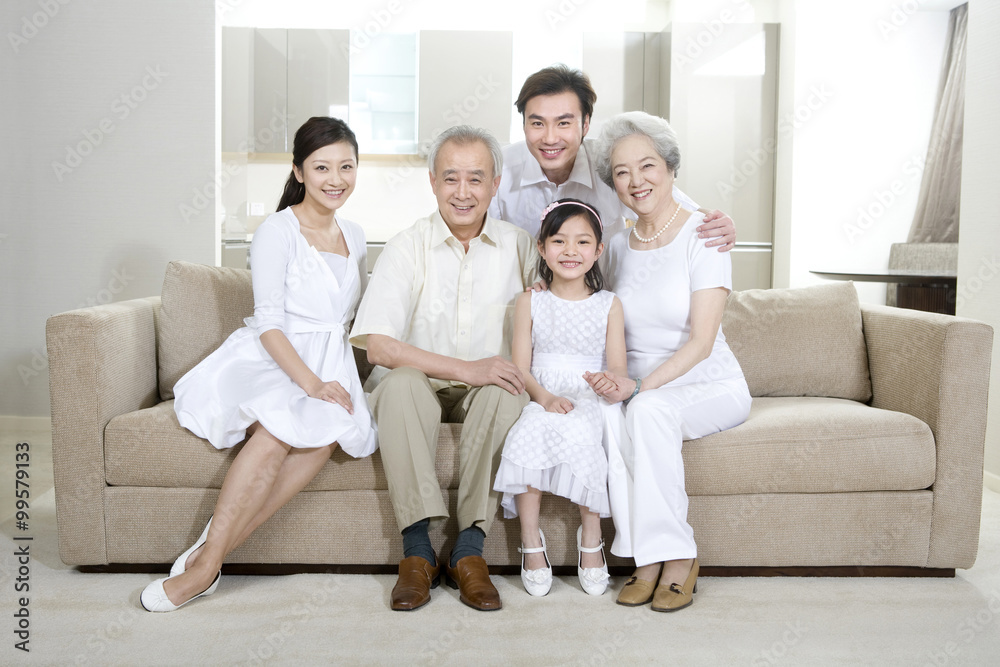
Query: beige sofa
x,y
864,447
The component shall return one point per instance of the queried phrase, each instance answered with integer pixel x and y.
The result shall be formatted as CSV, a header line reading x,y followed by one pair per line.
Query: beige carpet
x,y
95,619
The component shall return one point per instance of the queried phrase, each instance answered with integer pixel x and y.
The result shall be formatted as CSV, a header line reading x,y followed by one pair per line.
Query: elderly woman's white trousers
x,y
649,504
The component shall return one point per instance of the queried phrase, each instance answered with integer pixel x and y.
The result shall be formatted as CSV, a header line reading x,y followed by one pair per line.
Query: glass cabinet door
x,y
384,93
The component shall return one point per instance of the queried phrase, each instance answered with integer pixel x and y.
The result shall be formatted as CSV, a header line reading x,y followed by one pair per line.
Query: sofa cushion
x,y
813,445
200,306
150,448
800,342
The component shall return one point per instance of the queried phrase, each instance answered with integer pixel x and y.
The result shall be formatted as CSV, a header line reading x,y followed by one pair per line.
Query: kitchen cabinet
x,y
254,90
465,79
318,76
269,82
274,79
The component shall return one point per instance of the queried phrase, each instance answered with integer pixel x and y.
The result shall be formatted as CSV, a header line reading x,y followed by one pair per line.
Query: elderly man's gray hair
x,y
466,134
636,122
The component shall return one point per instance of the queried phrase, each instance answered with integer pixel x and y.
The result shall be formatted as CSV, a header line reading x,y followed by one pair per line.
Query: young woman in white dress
x,y
683,381
556,446
288,379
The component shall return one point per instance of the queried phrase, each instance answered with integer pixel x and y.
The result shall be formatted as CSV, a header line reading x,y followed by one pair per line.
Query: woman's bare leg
x,y
297,470
245,492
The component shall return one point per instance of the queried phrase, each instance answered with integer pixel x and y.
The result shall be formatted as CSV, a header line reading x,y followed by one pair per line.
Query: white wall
x,y
979,238
102,227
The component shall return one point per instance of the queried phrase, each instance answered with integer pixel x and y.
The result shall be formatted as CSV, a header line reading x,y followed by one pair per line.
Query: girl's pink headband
x,y
556,204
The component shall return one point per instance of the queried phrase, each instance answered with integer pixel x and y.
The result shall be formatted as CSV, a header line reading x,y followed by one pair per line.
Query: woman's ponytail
x,y
293,194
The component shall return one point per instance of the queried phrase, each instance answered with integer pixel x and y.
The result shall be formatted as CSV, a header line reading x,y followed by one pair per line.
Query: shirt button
x,y
462,332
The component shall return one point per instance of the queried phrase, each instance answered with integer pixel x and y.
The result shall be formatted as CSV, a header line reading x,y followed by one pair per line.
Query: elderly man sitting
x,y
433,321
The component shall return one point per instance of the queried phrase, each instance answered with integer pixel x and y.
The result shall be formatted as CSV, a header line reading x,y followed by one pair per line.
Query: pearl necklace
x,y
635,230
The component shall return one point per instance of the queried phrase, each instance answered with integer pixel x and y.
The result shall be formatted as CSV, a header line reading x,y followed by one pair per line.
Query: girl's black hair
x,y
315,133
553,222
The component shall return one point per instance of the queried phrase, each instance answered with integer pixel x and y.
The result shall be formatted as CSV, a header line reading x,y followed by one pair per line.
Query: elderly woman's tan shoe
x,y
636,592
672,597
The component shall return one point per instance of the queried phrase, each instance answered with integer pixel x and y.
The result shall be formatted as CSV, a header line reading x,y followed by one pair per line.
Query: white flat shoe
x,y
536,582
154,598
180,565
594,580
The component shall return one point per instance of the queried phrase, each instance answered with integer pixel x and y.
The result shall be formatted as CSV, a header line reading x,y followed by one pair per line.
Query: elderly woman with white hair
x,y
684,381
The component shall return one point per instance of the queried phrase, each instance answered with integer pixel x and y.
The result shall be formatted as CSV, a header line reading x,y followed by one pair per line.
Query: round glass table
x,y
928,290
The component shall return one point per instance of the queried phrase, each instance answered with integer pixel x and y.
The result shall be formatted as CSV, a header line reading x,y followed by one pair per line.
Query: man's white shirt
x,y
427,291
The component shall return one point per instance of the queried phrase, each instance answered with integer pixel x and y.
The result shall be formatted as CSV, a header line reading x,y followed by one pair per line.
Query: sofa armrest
x,y
102,363
937,368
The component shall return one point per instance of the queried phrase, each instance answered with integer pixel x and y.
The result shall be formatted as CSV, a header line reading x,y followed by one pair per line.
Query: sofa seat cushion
x,y
813,445
150,448
787,445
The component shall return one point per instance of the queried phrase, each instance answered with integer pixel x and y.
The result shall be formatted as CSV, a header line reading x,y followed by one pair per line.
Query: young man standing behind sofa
x,y
554,161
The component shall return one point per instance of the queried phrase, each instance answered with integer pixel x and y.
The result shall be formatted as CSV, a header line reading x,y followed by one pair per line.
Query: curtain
x,y
936,218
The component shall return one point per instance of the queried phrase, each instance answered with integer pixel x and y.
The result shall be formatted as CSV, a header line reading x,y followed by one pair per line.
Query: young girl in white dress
x,y
288,379
560,334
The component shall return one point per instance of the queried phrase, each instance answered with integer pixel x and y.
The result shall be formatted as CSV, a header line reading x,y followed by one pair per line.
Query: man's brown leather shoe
x,y
471,577
413,587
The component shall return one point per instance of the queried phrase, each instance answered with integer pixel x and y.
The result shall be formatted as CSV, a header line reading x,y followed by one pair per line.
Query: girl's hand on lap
x,y
558,404
332,392
599,382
